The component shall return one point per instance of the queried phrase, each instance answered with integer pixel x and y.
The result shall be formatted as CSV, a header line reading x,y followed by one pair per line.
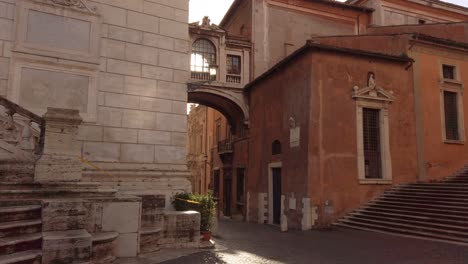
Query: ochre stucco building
x,y
345,101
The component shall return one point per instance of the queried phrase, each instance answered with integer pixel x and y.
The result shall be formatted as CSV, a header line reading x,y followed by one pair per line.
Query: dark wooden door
x,y
276,195
227,196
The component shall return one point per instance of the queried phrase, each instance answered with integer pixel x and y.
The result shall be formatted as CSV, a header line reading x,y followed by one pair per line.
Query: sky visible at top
x,y
216,9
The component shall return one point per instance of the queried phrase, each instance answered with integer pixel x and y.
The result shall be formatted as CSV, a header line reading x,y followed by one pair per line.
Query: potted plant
x,y
204,204
207,212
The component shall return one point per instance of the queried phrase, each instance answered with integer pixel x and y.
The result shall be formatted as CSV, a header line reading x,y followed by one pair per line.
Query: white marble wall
x,y
136,109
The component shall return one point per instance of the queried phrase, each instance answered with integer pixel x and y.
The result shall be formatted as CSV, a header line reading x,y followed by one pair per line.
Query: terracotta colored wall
x,y
333,149
241,22
392,45
272,103
454,31
440,159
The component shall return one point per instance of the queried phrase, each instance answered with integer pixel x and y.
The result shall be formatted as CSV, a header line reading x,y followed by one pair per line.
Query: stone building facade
x,y
124,65
98,90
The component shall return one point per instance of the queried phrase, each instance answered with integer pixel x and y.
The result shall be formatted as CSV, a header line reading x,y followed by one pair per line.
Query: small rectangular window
x,y
451,116
448,71
233,64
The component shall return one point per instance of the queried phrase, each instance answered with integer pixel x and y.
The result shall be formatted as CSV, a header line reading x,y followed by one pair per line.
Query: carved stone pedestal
x,y
60,159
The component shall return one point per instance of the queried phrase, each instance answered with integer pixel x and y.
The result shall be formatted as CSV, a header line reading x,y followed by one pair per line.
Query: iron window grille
x,y
372,144
451,116
202,59
448,72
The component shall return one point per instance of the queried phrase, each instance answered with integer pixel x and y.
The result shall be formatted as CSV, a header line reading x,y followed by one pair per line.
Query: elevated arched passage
x,y
231,104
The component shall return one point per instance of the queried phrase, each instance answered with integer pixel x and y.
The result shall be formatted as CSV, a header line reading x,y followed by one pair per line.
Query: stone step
x,y
17,213
453,226
24,257
426,197
103,245
56,192
10,245
9,229
437,185
424,201
415,212
150,239
405,229
16,171
430,192
401,232
451,210
420,205
48,185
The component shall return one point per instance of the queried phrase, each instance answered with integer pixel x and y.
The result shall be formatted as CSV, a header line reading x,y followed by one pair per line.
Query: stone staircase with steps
x,y
20,232
429,210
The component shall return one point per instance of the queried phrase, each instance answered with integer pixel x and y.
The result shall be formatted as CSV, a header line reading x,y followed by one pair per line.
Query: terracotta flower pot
x,y
206,235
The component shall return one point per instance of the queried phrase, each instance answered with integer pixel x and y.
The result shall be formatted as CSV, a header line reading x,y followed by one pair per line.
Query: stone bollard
x,y
60,159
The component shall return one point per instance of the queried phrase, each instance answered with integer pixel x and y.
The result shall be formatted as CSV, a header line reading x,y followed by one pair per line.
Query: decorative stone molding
x,y
374,97
60,159
80,4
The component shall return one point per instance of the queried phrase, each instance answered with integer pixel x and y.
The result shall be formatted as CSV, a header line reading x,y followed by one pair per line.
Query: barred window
x,y
233,64
451,116
372,148
448,71
276,147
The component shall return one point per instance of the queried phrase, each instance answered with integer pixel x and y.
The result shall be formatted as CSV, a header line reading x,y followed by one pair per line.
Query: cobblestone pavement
x,y
252,243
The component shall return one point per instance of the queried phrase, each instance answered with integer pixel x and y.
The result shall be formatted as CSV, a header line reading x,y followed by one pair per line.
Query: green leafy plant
x,y
202,203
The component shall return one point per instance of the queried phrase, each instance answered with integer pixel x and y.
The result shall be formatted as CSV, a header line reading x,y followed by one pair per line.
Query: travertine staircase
x,y
433,210
20,232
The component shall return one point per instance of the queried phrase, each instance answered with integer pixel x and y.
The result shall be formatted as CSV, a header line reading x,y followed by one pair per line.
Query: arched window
x,y
276,147
203,60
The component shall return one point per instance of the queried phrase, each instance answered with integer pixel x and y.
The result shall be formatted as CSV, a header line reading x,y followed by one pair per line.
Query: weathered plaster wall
x,y
135,127
241,22
440,159
333,148
272,103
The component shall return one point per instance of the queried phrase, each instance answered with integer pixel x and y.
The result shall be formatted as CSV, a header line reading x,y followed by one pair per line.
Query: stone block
x,y
157,73
181,45
170,154
158,10
181,76
4,68
123,67
143,22
113,49
171,122
7,10
121,217
173,29
181,15
180,4
112,15
137,153
154,104
63,215
158,41
106,152
136,5
90,133
3,87
154,137
179,107
178,139
139,119
173,60
111,82
110,116
122,100
171,90
52,168
181,230
71,247
101,98
140,86
127,245
149,240
125,34
120,135
6,29
7,49
141,54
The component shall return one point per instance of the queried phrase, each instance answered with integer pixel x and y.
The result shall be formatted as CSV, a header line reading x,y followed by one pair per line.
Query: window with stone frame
x,y
451,100
203,60
372,144
233,68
